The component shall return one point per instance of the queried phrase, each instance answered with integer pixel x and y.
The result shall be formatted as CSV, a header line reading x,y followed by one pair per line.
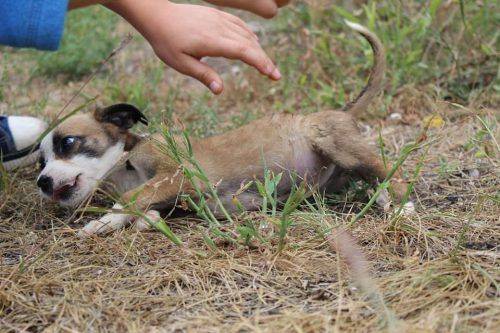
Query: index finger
x,y
250,52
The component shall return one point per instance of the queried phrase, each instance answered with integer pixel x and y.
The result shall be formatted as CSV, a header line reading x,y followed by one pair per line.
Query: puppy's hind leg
x,y
373,171
338,181
340,141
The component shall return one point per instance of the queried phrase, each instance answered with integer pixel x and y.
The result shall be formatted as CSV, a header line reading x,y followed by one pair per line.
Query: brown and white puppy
x,y
325,148
80,152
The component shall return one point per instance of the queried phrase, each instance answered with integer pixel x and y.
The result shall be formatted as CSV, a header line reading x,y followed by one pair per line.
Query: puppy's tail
x,y
374,85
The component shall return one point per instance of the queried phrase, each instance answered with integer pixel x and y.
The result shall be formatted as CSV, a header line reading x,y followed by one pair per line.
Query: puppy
x,y
324,149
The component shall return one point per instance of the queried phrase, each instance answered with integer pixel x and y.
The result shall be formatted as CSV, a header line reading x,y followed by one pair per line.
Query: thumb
x,y
193,67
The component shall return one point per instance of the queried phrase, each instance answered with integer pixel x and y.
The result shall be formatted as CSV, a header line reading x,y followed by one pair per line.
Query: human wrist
x,y
134,7
139,13
75,4
121,7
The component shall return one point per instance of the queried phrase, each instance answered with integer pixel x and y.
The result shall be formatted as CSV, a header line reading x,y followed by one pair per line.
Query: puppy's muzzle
x,y
59,192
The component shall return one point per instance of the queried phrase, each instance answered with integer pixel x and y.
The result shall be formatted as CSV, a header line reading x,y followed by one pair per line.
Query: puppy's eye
x,y
67,143
41,163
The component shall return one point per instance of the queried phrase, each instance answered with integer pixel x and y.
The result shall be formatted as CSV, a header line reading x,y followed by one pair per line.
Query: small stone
x,y
395,116
235,70
474,174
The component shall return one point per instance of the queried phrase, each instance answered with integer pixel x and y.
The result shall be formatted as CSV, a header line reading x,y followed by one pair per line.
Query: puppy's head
x,y
80,152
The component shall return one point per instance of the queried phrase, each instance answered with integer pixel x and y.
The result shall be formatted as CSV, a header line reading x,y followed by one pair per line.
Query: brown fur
x,y
237,156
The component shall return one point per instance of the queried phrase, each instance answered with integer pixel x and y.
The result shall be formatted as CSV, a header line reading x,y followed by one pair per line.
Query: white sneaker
x,y
18,141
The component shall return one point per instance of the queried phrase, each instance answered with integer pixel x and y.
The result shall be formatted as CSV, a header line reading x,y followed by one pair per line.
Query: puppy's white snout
x,y
69,181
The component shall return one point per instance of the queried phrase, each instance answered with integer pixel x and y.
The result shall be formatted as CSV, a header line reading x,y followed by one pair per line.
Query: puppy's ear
x,y
122,115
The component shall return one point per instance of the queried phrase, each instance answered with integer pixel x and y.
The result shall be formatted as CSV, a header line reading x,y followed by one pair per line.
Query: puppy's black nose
x,y
45,184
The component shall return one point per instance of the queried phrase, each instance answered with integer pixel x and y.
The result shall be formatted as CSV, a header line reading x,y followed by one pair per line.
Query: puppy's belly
x,y
312,167
307,167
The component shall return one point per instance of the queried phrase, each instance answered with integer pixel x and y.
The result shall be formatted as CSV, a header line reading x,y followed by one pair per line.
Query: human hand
x,y
183,34
264,8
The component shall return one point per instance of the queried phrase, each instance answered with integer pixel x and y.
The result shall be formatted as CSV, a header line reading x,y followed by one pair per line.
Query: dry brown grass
x,y
436,271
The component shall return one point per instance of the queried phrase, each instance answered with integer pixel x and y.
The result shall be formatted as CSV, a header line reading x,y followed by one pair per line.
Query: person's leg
x,y
18,136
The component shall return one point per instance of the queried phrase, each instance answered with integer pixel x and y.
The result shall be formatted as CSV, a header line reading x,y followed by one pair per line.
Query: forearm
x,y
131,10
138,13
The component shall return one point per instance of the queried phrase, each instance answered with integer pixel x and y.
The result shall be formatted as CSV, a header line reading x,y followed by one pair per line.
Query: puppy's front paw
x,y
89,229
107,223
143,224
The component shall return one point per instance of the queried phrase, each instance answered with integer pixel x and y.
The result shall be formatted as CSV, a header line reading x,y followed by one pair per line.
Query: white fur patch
x,y
384,200
408,209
